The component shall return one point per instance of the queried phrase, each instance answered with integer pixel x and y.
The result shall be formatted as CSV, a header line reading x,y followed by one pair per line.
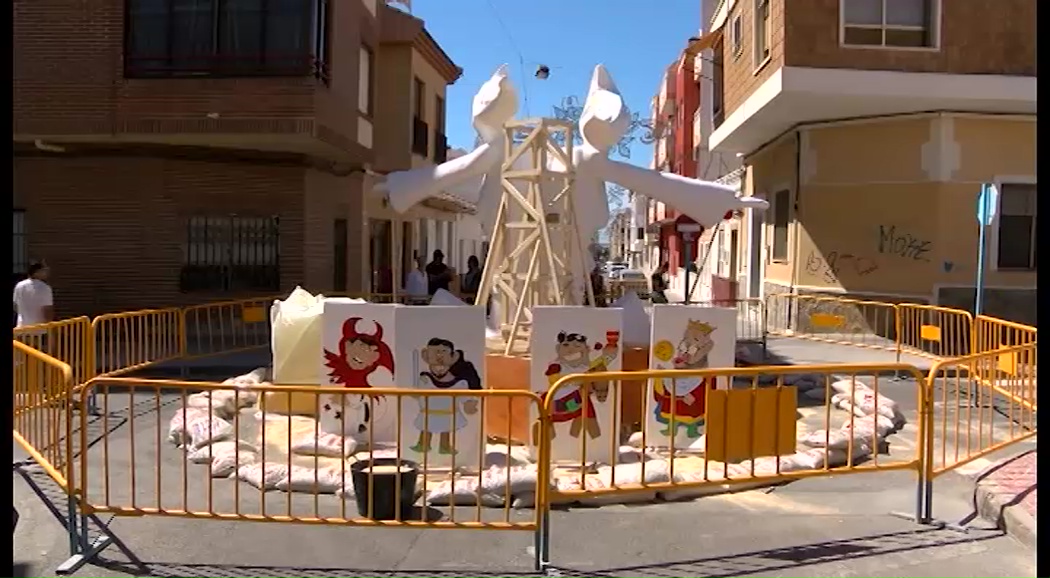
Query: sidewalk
x,y
1006,496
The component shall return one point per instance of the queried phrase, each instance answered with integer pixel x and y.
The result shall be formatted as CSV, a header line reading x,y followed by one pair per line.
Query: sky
x,y
635,39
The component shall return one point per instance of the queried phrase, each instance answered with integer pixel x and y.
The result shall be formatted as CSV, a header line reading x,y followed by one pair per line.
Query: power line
x,y
521,57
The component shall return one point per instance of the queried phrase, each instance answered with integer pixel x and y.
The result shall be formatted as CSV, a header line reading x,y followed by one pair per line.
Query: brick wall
x,y
113,228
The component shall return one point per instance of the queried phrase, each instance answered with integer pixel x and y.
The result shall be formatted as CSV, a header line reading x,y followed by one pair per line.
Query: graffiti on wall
x,y
899,243
832,266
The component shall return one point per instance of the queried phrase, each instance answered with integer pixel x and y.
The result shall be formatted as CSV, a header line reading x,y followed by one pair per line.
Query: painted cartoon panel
x,y
357,343
568,340
441,348
686,337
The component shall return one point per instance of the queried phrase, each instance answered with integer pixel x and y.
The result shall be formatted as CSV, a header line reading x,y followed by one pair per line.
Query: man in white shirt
x,y
416,284
33,300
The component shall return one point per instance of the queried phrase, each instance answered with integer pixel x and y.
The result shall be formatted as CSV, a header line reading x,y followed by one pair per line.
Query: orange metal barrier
x,y
225,327
934,332
125,342
749,428
69,341
868,324
42,425
142,472
979,404
751,317
990,334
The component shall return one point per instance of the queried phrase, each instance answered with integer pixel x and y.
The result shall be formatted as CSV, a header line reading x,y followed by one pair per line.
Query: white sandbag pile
x,y
491,488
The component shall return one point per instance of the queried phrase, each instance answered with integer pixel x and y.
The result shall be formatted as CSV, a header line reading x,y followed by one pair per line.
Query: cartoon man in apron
x,y
441,415
574,356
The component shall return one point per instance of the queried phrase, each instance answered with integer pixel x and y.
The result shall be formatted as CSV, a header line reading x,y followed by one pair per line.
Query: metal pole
x,y
979,297
687,239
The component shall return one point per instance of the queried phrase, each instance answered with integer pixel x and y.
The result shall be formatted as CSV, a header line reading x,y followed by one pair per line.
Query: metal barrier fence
x,y
990,334
867,324
43,387
934,332
979,404
146,474
226,327
125,342
68,340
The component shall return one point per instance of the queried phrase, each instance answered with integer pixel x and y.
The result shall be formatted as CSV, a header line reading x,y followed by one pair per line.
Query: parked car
x,y
630,280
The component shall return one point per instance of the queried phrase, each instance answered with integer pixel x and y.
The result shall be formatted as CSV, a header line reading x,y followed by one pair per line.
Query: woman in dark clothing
x,y
659,284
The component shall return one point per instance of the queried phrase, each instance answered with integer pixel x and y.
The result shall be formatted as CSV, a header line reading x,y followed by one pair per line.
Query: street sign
x,y
685,225
987,203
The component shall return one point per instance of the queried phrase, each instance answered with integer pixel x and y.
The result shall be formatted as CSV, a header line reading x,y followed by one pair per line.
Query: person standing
x,y
33,300
659,284
472,278
598,285
416,284
438,274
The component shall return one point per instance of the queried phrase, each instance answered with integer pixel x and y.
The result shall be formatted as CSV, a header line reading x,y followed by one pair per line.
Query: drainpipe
x,y
796,259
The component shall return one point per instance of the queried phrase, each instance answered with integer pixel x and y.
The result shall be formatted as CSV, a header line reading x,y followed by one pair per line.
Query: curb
x,y
1005,513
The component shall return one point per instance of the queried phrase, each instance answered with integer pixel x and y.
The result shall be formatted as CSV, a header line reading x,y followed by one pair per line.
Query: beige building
x,y
870,127
411,73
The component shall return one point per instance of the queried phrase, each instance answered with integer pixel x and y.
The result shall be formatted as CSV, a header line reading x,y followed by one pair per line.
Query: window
x,y
781,218
737,35
717,84
21,249
365,81
231,253
339,254
440,140
418,94
763,32
224,37
1017,214
888,23
322,47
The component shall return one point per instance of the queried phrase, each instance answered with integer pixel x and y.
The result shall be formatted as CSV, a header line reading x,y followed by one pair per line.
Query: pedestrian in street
x,y
472,278
659,284
438,274
416,284
598,286
33,299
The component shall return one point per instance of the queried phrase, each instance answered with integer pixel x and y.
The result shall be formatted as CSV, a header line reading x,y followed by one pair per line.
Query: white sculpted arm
x,y
706,202
406,189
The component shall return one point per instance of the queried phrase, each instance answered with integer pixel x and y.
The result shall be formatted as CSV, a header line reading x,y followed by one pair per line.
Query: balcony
x,y
440,147
420,137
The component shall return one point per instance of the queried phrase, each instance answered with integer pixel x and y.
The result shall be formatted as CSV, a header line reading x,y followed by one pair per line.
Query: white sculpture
x,y
477,177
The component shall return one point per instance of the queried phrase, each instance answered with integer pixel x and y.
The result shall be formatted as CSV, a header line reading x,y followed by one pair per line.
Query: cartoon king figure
x,y
688,394
360,357
447,368
573,355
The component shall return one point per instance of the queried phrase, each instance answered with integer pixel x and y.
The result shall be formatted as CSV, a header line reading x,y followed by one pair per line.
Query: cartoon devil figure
x,y
447,369
686,395
361,356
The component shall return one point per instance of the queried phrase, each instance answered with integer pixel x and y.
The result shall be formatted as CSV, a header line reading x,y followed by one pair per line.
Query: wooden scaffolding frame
x,y
535,260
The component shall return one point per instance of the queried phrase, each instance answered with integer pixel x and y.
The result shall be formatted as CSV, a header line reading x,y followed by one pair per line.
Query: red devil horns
x,y
350,330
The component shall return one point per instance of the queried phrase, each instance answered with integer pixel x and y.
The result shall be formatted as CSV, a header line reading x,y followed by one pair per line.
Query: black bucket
x,y
384,487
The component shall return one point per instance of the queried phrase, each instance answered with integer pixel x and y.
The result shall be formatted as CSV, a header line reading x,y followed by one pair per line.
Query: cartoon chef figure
x,y
573,355
447,368
687,394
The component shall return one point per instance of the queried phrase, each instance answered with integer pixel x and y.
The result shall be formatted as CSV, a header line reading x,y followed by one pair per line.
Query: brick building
x,y
870,126
165,157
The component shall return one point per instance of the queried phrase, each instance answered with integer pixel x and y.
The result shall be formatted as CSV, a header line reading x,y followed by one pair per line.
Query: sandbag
x,y
841,457
835,439
494,485
869,427
848,386
262,475
656,472
207,453
716,472
325,445
222,403
178,433
314,481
